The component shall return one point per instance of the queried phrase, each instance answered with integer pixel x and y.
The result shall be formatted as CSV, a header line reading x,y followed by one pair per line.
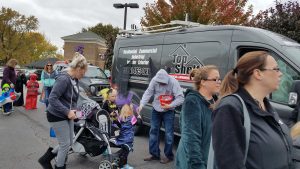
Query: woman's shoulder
x,y
229,102
63,78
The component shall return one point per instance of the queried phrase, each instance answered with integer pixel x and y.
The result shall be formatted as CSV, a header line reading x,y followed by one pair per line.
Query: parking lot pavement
x,y
24,137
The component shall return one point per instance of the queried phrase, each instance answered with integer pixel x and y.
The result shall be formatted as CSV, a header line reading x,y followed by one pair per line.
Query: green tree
x,y
201,11
283,19
109,33
13,28
37,47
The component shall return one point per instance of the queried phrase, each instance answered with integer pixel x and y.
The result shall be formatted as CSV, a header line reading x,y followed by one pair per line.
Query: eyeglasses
x,y
277,69
215,80
49,65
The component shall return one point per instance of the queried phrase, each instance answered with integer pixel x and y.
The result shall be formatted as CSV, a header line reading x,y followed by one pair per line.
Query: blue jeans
x,y
7,107
168,120
47,94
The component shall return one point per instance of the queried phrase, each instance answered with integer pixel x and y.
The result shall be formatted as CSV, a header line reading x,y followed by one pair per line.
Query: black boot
x,y
45,160
64,167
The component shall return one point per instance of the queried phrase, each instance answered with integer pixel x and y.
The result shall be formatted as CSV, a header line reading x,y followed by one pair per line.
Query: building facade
x,y
91,45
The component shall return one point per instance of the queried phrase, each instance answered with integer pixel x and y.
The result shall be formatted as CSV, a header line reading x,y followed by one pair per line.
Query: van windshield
x,y
294,53
94,72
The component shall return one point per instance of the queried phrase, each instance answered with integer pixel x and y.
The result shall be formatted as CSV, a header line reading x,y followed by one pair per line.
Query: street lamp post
x,y
130,5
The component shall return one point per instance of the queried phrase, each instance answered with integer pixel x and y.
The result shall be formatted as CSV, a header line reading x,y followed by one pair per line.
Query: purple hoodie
x,y
9,76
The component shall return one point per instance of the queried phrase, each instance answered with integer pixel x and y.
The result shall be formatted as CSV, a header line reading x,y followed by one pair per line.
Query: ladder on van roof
x,y
173,25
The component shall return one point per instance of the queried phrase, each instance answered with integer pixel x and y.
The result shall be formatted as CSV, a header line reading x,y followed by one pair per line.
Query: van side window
x,y
288,76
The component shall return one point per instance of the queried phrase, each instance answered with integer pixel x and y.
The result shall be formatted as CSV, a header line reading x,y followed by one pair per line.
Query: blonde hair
x,y
295,131
12,63
78,61
126,111
201,74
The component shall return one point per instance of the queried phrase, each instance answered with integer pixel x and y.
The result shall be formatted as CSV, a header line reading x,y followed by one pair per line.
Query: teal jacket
x,y
48,79
195,126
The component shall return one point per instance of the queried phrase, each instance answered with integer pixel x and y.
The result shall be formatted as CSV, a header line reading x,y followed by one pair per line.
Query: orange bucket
x,y
165,99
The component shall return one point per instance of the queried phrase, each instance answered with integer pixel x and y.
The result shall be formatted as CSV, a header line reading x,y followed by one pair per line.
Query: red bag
x,y
165,99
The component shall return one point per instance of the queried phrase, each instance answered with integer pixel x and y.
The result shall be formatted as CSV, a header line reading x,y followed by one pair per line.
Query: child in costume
x,y
110,106
7,91
126,136
32,92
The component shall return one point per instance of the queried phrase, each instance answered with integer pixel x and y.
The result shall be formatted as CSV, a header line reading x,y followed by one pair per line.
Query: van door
x,y
184,51
279,98
136,60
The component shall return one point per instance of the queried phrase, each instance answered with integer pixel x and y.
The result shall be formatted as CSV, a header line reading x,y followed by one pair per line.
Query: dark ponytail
x,y
241,74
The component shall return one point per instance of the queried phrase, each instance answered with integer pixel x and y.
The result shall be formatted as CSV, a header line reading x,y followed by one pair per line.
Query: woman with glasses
x,y
254,78
48,78
195,118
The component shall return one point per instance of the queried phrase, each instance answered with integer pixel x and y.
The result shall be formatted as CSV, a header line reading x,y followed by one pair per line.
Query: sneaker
x,y
6,113
127,166
151,158
165,160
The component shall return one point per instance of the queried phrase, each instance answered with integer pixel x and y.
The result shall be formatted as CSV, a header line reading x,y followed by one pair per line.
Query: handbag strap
x,y
247,125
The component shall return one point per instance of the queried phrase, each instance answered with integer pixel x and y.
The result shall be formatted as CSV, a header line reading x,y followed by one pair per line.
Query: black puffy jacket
x,y
270,144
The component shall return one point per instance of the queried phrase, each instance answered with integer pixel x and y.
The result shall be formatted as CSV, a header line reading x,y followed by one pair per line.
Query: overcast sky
x,y
58,18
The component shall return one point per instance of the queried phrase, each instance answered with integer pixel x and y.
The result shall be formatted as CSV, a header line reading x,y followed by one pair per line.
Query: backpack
x,y
247,125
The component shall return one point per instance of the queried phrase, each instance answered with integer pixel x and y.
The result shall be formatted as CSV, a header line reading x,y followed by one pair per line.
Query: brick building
x,y
93,47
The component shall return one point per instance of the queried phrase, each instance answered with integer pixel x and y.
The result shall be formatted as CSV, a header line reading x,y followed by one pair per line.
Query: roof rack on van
x,y
173,25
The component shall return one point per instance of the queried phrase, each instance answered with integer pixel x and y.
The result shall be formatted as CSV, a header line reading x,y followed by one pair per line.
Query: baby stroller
x,y
92,132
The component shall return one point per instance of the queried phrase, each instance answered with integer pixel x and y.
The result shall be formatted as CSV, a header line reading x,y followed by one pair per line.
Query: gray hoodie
x,y
162,84
64,90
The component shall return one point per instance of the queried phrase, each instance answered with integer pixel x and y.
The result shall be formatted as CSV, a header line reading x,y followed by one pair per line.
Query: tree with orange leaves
x,y
202,11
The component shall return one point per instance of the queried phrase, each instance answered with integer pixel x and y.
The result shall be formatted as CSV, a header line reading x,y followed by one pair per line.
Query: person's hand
x,y
166,106
139,116
72,115
139,109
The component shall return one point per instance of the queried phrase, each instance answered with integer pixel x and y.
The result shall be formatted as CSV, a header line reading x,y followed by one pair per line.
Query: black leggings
x,y
122,154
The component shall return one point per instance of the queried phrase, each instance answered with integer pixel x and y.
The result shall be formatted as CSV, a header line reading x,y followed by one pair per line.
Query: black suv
x,y
92,82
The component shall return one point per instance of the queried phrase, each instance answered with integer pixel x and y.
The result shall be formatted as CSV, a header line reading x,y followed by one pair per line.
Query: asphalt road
x,y
24,137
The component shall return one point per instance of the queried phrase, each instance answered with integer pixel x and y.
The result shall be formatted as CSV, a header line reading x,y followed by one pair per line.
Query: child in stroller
x,y
110,106
93,133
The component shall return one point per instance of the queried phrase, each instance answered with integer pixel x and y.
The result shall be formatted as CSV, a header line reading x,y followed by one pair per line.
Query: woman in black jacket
x,y
254,78
295,133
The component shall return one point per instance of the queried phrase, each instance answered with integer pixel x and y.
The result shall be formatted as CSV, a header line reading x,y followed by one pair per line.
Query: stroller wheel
x,y
105,164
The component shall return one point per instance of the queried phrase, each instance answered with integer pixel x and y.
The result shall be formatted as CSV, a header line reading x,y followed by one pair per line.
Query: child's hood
x,y
33,77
